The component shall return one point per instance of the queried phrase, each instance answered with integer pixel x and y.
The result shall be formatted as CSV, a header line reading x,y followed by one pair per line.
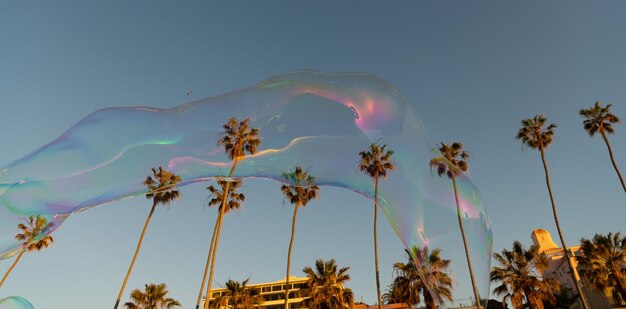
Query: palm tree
x,y
603,263
239,296
520,277
301,190
154,297
325,286
401,292
430,276
237,139
533,134
452,163
234,201
375,163
33,238
162,190
600,119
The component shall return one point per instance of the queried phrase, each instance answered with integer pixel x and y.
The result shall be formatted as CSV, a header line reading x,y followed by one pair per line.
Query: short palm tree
x,y
603,263
430,277
299,192
401,292
237,139
233,201
519,275
239,296
325,286
600,119
375,162
535,134
162,190
453,163
33,237
153,297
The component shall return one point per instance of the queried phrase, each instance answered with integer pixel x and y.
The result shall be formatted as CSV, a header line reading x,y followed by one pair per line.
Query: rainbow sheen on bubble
x,y
15,302
317,120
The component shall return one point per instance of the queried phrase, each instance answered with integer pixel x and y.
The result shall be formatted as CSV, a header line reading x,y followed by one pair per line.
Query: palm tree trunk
x,y
12,266
380,304
219,230
608,145
467,253
429,301
206,267
132,263
293,232
214,253
558,228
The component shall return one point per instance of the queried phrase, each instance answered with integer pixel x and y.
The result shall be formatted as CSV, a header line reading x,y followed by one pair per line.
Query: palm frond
x,y
376,161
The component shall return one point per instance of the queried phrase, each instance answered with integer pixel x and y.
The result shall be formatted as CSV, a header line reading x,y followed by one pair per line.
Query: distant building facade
x,y
273,293
559,270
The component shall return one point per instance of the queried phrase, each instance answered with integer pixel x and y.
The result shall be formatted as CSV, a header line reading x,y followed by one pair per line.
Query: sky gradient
x,y
472,70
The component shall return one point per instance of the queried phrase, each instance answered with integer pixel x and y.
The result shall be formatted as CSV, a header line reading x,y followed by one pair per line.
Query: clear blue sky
x,y
472,70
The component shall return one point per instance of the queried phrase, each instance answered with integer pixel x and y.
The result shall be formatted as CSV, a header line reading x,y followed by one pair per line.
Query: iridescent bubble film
x,y
15,302
320,121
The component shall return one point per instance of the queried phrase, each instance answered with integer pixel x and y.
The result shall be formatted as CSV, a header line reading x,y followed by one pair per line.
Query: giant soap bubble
x,y
314,119
15,302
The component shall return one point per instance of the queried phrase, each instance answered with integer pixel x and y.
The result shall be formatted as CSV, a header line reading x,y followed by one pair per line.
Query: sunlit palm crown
x,y
238,138
325,286
33,233
430,275
326,273
162,188
376,161
303,188
520,277
239,295
598,118
603,263
534,134
154,297
453,160
235,199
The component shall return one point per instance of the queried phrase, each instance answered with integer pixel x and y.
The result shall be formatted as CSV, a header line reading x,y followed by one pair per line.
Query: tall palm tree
x,y
453,163
33,238
430,276
535,134
375,162
600,119
233,201
299,193
325,286
237,139
239,296
162,190
603,263
154,297
520,277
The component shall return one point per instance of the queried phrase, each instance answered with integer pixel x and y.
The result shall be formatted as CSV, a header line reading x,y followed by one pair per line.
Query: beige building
x,y
559,270
273,293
